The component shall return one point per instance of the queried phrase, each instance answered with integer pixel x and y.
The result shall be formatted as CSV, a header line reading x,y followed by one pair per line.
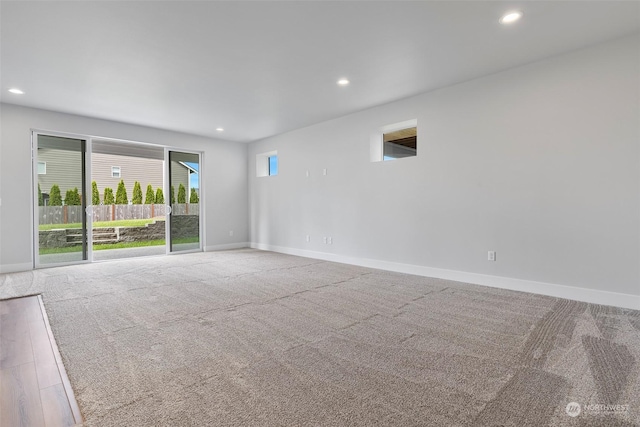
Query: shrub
x,y
150,197
159,196
193,197
72,198
95,194
55,198
173,195
136,198
40,198
182,194
68,198
121,194
108,196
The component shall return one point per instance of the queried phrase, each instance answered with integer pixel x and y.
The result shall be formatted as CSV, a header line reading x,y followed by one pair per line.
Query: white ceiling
x,y
263,68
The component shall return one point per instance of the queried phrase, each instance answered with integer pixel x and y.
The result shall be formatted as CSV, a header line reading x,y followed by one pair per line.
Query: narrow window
x,y
42,168
115,171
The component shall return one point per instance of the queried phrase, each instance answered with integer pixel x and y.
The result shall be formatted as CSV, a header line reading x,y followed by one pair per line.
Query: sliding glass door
x,y
71,196
60,198
183,222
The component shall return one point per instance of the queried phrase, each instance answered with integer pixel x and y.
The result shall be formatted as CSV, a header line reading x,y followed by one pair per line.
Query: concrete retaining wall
x,y
61,238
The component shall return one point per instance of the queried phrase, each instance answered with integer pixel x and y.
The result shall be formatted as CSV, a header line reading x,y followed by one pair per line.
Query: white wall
x,y
540,163
224,170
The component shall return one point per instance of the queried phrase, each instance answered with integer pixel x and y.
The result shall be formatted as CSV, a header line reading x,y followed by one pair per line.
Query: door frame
x,y
34,199
201,197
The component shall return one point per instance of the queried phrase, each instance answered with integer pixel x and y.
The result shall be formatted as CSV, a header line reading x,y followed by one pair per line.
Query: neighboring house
x,y
108,169
59,167
181,174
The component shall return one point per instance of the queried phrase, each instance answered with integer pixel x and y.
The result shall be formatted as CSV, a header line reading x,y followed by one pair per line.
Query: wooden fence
x,y
73,214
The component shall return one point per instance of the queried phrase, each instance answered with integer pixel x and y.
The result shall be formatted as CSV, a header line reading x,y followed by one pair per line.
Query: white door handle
x,y
167,210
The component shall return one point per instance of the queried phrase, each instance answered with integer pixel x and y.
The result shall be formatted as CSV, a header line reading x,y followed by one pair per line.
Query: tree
x,y
121,194
136,198
173,195
72,198
182,194
159,196
193,197
150,198
108,196
55,198
40,198
95,194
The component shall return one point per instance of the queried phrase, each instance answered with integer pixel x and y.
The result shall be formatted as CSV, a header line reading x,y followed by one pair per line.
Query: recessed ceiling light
x,y
343,82
219,129
511,17
16,91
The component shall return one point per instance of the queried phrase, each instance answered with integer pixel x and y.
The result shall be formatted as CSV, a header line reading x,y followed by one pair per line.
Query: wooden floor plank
x,y
20,397
46,365
31,307
34,387
55,406
15,340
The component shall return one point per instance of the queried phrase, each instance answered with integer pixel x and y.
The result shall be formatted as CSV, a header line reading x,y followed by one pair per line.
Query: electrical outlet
x,y
330,240
231,233
491,255
308,238
307,174
324,239
324,171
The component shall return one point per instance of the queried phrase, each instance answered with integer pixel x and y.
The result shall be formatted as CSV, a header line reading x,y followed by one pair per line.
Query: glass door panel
x,y
61,220
135,227
184,199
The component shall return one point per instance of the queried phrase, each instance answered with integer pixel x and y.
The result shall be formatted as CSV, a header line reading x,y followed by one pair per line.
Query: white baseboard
x,y
13,268
227,246
560,291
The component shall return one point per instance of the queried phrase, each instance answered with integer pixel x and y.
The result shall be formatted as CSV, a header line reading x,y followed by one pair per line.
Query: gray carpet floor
x,y
252,338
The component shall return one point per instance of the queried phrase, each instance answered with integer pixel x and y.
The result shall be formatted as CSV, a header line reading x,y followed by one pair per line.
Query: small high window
x,y
395,141
115,171
42,168
267,164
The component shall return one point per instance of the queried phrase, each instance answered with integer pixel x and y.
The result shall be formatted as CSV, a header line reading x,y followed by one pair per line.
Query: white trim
x,y
14,268
227,246
550,289
189,167
88,196
95,137
34,203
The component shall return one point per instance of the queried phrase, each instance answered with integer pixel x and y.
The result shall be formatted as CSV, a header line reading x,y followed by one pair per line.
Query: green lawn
x,y
121,245
99,224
